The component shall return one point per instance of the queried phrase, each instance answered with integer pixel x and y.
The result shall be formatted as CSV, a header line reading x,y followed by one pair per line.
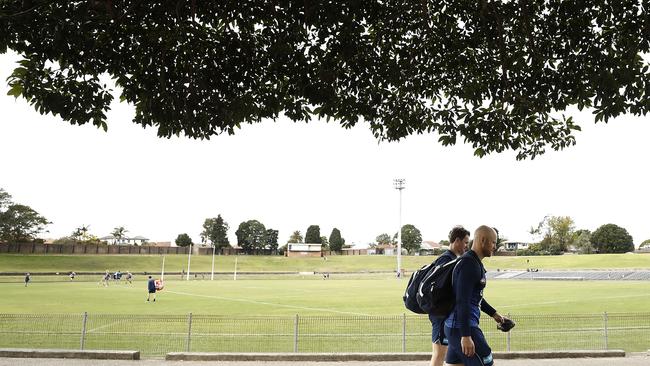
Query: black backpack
x,y
435,294
410,295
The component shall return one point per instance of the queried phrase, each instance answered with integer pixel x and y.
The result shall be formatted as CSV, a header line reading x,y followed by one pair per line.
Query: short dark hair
x,y
458,232
149,276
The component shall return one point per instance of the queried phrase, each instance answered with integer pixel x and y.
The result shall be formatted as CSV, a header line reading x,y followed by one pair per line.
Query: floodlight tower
x,y
214,248
399,184
189,259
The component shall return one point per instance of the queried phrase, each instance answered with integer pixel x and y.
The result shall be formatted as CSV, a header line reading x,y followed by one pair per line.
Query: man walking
x,y
467,345
151,288
458,241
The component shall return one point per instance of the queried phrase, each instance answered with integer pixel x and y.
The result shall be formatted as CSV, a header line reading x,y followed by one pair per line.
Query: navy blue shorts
x,y
438,330
483,352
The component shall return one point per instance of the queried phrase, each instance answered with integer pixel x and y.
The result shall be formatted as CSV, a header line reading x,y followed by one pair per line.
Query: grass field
x,y
343,314
352,295
176,263
358,312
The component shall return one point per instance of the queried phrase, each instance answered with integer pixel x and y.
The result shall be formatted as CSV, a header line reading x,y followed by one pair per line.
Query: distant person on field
x,y
129,276
107,277
27,278
467,344
151,288
458,241
72,275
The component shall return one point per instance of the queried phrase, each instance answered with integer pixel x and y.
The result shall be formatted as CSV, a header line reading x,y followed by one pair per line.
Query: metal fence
x,y
156,335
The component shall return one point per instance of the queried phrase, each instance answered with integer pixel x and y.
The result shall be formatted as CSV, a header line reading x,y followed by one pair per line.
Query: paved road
x,y
635,360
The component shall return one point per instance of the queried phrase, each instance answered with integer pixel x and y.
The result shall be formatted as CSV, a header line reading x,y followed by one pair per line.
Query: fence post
x,y
606,337
189,332
508,337
83,330
295,334
403,332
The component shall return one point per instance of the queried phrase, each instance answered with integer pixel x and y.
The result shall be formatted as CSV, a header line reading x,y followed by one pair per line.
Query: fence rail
x,y
156,335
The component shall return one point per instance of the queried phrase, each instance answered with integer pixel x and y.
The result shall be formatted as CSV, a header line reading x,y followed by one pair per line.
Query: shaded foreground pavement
x,y
634,360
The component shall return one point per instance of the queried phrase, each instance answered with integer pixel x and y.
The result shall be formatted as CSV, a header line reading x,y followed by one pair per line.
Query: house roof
x,y
430,245
111,237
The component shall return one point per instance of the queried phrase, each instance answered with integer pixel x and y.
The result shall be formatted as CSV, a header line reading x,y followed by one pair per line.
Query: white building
x,y
136,240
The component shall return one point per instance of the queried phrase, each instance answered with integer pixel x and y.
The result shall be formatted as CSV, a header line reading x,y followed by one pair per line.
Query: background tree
x,y
385,239
295,237
501,241
611,238
402,67
336,241
313,235
5,200
557,232
251,235
20,223
183,240
411,238
325,243
271,238
119,233
444,242
82,234
582,241
645,244
215,231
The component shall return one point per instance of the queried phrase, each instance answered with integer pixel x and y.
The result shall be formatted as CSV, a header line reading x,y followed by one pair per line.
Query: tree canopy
x,y
611,238
411,238
296,237
183,240
312,235
497,74
271,239
18,223
251,235
557,233
215,230
336,242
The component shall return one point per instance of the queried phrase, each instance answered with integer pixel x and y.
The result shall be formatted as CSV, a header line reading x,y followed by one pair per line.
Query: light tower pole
x,y
189,259
399,184
214,248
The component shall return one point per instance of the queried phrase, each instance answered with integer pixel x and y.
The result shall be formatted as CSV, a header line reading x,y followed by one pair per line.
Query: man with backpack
x,y
467,344
458,241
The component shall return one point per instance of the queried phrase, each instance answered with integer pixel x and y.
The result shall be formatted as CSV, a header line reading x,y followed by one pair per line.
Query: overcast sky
x,y
291,175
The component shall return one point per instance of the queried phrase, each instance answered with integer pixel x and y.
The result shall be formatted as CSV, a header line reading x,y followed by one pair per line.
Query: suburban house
x,y
431,247
512,246
136,240
303,250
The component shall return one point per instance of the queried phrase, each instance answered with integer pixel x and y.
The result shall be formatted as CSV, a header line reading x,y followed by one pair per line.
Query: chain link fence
x,y
156,335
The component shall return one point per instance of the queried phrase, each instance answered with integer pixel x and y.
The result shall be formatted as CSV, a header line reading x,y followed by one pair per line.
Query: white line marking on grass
x,y
104,326
266,303
572,300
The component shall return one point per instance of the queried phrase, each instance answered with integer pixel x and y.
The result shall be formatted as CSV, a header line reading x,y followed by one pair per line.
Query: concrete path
x,y
634,360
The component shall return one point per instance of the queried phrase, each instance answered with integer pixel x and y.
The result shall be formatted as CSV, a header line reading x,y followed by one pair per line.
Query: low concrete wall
x,y
64,353
412,356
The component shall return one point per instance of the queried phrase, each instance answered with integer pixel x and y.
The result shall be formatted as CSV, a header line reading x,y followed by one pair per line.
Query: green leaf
x,y
16,90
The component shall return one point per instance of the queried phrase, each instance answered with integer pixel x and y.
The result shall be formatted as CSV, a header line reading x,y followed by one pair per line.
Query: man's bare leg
x,y
438,355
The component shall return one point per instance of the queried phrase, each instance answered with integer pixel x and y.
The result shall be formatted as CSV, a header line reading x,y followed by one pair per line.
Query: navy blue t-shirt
x,y
468,281
445,257
151,284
